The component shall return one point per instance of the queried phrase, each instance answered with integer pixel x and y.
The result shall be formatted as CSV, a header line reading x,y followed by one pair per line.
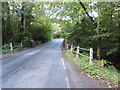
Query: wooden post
x,y
91,56
77,51
32,43
67,46
11,47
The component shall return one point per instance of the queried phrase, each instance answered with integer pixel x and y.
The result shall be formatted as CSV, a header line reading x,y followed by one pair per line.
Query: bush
x,y
102,63
42,30
27,42
5,48
17,47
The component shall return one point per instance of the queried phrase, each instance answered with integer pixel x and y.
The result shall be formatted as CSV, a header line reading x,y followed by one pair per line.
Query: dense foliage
x,y
87,24
102,34
25,21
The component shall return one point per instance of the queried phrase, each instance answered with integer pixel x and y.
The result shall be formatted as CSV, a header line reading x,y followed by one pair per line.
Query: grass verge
x,y
95,71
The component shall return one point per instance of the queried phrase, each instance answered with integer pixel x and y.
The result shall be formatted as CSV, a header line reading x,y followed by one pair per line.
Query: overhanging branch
x,y
85,10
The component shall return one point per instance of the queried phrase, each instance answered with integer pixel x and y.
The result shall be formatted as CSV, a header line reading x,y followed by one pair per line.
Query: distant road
x,y
44,67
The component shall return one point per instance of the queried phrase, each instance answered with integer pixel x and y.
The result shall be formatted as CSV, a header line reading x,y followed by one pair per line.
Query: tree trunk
x,y
8,21
23,17
6,32
99,39
83,26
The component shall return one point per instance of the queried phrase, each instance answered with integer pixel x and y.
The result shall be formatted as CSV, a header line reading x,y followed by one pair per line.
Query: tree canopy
x,y
87,24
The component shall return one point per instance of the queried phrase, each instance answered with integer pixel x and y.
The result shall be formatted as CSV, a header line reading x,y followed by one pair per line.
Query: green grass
x,y
94,70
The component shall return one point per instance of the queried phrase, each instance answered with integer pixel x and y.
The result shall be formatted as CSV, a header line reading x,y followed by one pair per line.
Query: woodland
x,y
87,24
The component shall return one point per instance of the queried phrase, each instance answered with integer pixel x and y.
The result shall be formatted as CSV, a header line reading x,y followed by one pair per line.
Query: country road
x,y
44,67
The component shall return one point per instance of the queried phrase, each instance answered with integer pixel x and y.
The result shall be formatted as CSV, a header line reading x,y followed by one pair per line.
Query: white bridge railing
x,y
77,52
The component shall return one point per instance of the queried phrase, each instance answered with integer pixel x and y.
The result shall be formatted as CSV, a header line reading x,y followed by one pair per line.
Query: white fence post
x,y
71,49
21,45
11,47
91,56
77,51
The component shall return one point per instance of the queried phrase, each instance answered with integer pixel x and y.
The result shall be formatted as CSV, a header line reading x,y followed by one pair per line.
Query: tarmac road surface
x,y
44,67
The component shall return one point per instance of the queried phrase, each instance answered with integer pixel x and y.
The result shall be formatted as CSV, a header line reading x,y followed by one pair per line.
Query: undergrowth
x,y
94,70
6,48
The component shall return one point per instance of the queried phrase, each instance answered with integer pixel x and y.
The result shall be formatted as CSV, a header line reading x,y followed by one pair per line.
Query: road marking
x,y
66,78
68,83
63,64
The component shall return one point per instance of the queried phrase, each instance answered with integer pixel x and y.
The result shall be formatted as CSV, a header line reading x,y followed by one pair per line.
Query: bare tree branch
x,y
85,10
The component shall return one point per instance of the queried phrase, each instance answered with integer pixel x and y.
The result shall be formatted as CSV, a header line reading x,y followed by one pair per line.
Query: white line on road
x,y
63,64
66,78
68,83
